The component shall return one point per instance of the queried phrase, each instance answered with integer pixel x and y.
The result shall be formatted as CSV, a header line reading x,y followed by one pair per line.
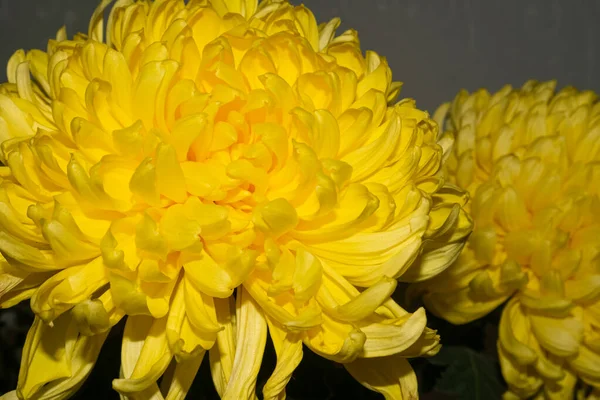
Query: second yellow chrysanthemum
x,y
530,159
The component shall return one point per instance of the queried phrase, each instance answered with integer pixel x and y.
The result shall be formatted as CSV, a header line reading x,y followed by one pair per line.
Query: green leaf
x,y
469,375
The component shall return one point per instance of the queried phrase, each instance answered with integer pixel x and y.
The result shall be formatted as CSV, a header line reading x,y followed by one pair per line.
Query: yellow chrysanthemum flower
x,y
215,171
530,159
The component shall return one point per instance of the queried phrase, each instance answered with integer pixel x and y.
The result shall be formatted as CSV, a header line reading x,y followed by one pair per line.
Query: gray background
x,y
435,47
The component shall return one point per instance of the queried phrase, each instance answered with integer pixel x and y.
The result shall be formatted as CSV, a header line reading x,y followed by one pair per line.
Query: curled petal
x,y
345,303
514,332
67,288
433,261
282,307
95,316
335,341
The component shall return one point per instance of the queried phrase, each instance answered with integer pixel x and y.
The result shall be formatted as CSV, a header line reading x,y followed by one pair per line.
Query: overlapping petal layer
x,y
218,172
530,158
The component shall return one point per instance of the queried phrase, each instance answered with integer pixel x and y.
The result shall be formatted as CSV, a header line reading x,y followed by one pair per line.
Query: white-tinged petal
x,y
288,347
223,352
251,338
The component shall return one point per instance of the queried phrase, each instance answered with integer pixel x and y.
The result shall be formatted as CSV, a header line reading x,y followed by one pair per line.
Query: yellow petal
x,y
276,217
335,341
56,360
68,288
200,308
307,275
520,378
514,329
183,377
209,276
223,353
563,388
145,354
394,335
96,316
169,176
586,364
560,336
12,395
370,158
185,340
343,302
283,308
251,334
288,348
391,376
31,258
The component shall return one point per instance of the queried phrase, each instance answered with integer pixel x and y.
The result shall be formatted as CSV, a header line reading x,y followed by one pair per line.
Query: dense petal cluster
x,y
530,159
216,172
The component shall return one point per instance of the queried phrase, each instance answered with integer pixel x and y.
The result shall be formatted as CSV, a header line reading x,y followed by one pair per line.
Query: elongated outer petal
x,y
56,360
223,352
251,334
183,376
289,354
145,354
391,376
